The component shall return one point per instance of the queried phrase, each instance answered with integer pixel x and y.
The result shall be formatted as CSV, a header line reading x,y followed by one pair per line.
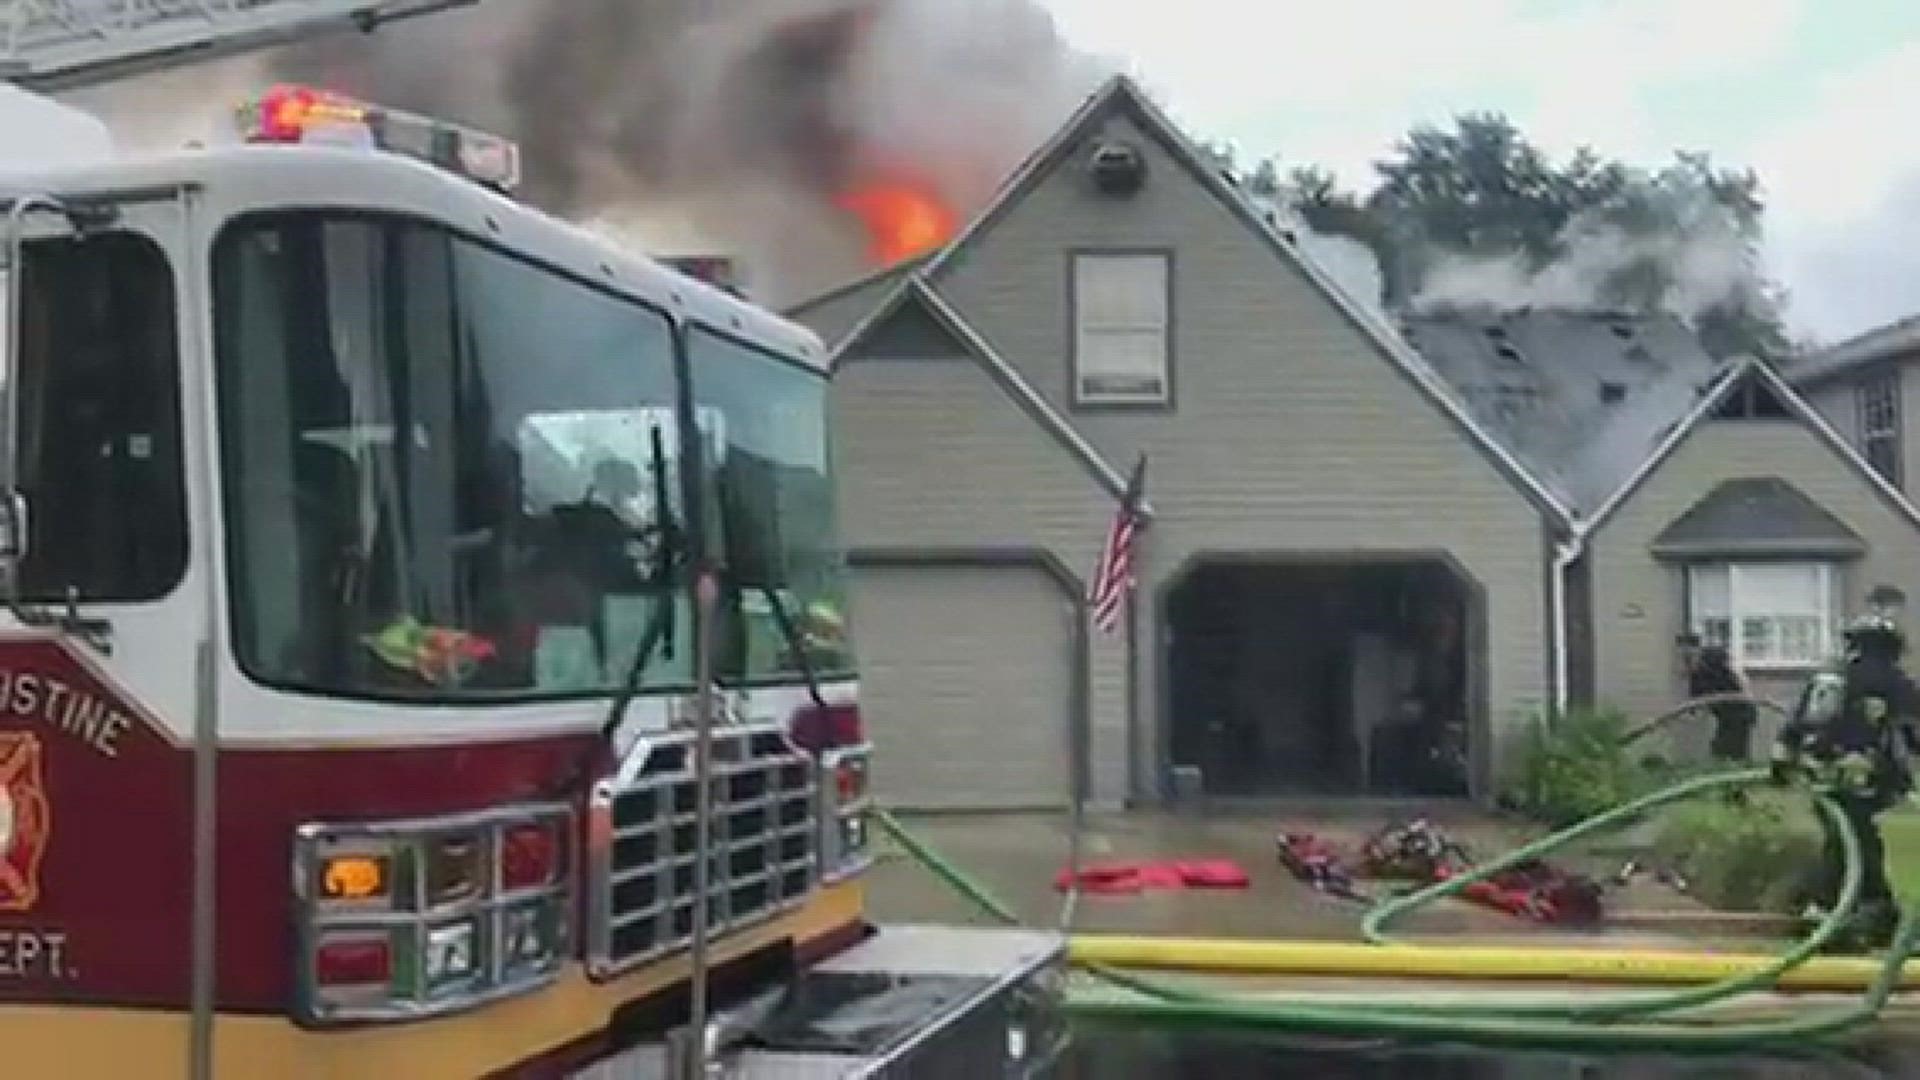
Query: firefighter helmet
x,y
1868,631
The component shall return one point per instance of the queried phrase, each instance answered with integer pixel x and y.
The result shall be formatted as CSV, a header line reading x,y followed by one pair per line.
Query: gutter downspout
x,y
1566,553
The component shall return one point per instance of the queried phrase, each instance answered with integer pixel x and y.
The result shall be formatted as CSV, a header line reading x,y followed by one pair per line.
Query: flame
x,y
903,218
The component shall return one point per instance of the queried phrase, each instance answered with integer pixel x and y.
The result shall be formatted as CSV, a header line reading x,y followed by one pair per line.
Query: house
x,y
1706,498
1364,567
1861,386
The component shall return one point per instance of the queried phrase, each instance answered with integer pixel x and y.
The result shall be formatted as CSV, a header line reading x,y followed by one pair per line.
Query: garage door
x,y
965,684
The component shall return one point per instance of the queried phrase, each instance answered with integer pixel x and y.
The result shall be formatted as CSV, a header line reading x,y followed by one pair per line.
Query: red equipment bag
x,y
1315,862
1121,878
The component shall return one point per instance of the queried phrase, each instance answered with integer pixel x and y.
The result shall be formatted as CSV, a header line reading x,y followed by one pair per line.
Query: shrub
x,y
1749,857
1753,856
1573,766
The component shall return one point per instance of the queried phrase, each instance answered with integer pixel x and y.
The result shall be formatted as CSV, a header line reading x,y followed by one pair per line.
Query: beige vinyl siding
x,y
933,454
1288,432
1638,599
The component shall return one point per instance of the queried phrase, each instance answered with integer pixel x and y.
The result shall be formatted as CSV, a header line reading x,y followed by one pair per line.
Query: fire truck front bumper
x,y
918,1001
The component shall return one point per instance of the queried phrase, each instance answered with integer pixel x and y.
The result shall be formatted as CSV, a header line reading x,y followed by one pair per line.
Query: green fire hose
x,y
1613,1007
1587,1026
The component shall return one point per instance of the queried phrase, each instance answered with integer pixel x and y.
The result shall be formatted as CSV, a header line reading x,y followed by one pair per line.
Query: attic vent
x,y
1497,333
1622,331
1612,393
1117,169
1509,354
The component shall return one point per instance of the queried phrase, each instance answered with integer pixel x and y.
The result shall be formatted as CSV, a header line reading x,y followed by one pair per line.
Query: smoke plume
x,y
1673,251
731,124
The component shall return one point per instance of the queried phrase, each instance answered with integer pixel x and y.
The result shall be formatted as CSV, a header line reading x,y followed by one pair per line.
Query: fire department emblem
x,y
24,820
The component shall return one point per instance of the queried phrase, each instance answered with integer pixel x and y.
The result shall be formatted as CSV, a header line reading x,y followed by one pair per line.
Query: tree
x,y
1684,237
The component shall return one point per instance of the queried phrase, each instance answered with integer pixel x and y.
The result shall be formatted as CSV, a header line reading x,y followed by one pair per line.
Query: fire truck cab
x,y
351,519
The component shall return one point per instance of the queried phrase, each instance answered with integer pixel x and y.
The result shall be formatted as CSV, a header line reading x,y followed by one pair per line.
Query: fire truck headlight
x,y
452,953
405,919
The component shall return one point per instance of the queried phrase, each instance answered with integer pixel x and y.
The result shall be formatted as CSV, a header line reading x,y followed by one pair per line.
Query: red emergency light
x,y
289,113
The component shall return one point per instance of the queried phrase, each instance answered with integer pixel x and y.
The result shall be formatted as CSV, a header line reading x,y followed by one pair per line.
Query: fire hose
x,y
1591,1025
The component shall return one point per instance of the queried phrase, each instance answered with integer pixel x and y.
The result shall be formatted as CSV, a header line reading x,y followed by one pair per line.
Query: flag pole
x,y
1080,739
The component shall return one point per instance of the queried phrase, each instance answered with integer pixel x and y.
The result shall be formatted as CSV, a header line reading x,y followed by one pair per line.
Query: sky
x,y
1820,98
1815,95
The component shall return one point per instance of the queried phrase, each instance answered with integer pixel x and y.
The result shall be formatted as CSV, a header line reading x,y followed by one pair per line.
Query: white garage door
x,y
966,680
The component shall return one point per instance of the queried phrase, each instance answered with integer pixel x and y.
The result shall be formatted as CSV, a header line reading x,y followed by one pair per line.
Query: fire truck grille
x,y
642,855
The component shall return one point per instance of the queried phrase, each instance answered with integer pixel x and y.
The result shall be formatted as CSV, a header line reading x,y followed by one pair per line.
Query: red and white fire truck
x,y
374,547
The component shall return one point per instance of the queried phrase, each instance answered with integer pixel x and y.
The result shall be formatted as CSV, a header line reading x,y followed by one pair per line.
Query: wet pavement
x,y
1016,857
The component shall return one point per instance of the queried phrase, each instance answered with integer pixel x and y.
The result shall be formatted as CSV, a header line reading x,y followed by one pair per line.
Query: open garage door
x,y
1322,677
966,678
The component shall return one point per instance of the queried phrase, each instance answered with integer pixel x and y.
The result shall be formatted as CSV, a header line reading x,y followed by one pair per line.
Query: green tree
x,y
1481,189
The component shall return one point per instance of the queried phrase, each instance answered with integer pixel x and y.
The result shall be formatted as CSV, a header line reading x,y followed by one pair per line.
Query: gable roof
x,y
911,330
1880,343
913,293
1121,96
890,273
1738,375
1580,398
1757,514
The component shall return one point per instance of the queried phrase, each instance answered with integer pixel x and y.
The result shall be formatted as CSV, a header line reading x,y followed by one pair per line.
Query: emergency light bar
x,y
302,114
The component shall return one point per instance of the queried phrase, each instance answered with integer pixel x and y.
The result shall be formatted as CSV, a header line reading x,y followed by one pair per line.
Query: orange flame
x,y
903,219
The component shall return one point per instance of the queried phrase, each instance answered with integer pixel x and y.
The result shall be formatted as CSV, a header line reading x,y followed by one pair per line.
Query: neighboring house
x,y
1867,389
1349,561
1707,498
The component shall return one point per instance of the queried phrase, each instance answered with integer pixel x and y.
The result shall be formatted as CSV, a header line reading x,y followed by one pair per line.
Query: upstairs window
x,y
1879,402
1767,615
1120,331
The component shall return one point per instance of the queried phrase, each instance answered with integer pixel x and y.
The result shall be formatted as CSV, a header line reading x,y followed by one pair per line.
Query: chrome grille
x,y
641,849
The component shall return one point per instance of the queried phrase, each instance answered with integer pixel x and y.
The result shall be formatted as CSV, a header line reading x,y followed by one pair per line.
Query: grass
x,y
1901,827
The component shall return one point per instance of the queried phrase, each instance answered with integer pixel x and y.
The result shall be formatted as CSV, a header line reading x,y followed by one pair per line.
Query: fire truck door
x,y
106,722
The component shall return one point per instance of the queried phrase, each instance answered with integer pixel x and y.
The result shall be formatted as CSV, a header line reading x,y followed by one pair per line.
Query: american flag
x,y
1113,578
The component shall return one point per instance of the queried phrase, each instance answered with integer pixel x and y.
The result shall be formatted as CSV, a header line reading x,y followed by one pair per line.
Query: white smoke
x,y
1686,256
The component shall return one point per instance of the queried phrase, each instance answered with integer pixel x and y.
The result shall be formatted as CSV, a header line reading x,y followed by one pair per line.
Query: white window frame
x,y
1752,656
1152,320
1878,400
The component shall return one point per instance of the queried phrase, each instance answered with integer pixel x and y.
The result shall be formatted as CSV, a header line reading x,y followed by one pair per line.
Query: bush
x,y
1573,766
1750,857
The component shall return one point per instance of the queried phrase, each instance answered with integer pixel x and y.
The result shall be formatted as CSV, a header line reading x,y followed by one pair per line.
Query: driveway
x,y
1015,856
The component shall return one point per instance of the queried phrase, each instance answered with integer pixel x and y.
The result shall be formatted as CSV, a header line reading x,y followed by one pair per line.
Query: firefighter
x,y
1850,736
1713,675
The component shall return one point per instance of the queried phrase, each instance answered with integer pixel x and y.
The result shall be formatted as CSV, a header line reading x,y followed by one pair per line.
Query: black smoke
x,y
739,118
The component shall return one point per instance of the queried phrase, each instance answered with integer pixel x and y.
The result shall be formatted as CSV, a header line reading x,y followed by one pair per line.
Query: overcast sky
x,y
1820,97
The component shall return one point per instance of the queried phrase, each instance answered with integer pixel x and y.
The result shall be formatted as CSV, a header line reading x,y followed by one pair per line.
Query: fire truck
x,y
425,649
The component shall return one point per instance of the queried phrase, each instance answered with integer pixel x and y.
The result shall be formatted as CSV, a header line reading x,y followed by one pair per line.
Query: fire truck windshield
x,y
773,494
442,478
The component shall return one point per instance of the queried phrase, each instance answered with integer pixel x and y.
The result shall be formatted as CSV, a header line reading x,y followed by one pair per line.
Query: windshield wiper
x,y
666,557
656,636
